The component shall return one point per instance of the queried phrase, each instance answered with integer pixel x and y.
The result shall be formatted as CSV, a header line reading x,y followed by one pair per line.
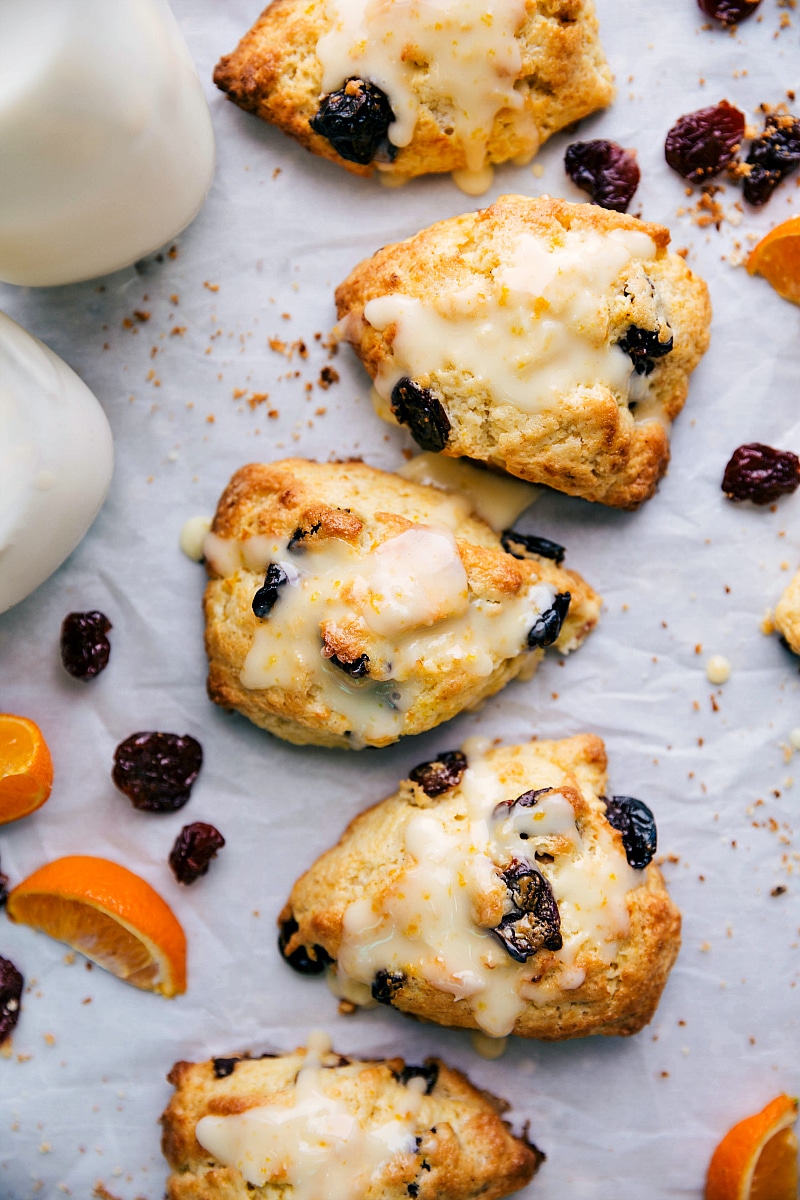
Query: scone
x,y
414,88
500,890
553,340
315,1125
787,615
348,606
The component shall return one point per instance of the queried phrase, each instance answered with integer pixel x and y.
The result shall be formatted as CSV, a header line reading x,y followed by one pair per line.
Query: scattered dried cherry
x,y
701,143
729,12
523,545
535,922
418,408
605,170
266,597
194,848
11,985
636,823
156,770
643,347
386,985
223,1067
357,669
443,773
546,628
355,120
84,645
430,1073
772,156
761,474
3,889
526,800
300,959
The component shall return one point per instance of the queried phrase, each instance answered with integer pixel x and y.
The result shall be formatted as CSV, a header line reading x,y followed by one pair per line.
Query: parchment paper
x,y
687,576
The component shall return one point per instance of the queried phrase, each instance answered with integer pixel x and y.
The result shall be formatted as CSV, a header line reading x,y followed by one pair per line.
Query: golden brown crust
x,y
469,1150
274,72
591,445
787,614
618,999
354,500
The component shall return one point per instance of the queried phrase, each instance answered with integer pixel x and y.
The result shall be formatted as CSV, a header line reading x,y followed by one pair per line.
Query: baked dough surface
x,y
359,504
274,72
591,444
469,1150
370,863
787,614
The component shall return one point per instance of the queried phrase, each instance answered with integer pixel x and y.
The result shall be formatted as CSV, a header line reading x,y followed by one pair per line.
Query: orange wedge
x,y
26,768
110,915
777,258
757,1159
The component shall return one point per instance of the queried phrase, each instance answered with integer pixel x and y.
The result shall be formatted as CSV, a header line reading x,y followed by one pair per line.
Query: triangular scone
x,y
553,340
787,615
432,87
315,1123
498,889
348,606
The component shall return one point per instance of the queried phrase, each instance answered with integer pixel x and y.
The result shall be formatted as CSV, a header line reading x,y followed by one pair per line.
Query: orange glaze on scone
x,y
494,892
349,607
552,340
314,1125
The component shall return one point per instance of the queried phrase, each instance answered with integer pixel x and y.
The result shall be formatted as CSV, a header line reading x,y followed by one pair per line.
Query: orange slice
x,y
110,915
777,258
26,768
757,1159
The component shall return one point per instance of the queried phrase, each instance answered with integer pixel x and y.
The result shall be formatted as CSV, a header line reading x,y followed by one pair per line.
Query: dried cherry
x,y
386,985
535,922
546,628
194,848
355,120
267,595
636,823
223,1067
430,1073
772,156
760,473
526,800
11,985
3,889
418,408
84,645
300,959
443,773
729,12
701,143
643,347
522,545
605,170
357,669
156,770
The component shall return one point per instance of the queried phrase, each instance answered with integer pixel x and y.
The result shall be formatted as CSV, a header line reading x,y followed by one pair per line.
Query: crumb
x,y
346,1008
212,287
779,890
257,398
327,376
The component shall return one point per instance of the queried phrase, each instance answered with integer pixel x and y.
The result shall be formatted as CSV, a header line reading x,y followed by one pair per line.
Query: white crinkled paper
x,y
688,576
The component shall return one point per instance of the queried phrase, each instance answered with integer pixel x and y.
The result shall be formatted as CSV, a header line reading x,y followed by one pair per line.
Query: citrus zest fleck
x,y
109,914
26,768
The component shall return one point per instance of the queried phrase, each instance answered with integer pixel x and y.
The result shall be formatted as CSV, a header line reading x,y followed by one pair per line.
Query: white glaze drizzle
x,y
497,499
532,333
430,922
316,1143
411,594
464,52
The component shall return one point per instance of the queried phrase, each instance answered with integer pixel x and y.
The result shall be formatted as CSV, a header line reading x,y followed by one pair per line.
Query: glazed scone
x,y
553,340
348,606
314,1125
787,615
497,890
409,89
